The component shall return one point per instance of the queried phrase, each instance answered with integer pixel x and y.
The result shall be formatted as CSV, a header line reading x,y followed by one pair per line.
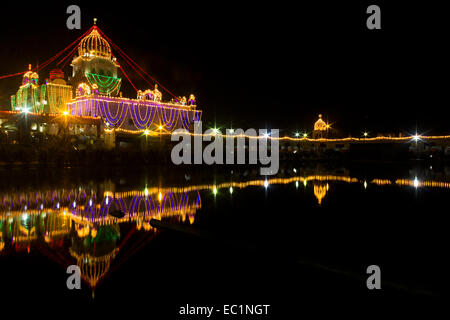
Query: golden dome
x,y
94,45
320,125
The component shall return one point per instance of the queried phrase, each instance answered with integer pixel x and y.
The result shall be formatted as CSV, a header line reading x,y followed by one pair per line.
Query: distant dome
x,y
94,44
320,125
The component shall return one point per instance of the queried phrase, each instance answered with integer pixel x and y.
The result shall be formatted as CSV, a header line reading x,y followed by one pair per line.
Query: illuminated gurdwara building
x,y
93,91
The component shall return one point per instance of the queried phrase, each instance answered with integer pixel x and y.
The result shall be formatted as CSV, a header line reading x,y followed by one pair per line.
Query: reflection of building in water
x,y
82,216
94,251
90,102
96,238
320,190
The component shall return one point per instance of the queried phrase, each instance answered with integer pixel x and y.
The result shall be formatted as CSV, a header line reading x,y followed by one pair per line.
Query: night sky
x,y
275,65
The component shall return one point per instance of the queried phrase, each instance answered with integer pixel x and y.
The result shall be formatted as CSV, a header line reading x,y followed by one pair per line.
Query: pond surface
x,y
229,237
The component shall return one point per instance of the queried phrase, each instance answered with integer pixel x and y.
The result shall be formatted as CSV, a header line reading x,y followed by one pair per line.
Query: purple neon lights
x,y
173,117
118,111
142,123
117,120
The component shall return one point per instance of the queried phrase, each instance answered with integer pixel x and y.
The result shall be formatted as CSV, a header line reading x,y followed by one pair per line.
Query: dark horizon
x,y
265,66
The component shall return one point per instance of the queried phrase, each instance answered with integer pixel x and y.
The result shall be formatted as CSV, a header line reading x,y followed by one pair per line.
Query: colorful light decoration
x,y
58,97
143,113
91,95
146,121
171,120
117,120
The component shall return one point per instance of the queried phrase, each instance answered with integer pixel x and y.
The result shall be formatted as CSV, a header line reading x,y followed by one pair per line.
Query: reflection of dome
x,y
94,251
93,268
94,44
320,125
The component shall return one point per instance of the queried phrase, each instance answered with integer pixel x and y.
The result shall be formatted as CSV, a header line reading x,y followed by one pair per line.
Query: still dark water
x,y
301,238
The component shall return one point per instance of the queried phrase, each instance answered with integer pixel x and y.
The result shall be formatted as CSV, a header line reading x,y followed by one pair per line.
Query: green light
x,y
105,84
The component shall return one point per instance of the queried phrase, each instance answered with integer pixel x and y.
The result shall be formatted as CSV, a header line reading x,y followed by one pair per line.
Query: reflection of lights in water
x,y
304,182
266,184
146,191
160,196
296,184
57,205
25,208
231,190
107,200
25,217
365,184
416,182
90,202
214,190
42,206
74,204
320,191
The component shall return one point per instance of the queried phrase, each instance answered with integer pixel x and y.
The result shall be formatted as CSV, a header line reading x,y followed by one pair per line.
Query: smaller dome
x,y
30,76
320,125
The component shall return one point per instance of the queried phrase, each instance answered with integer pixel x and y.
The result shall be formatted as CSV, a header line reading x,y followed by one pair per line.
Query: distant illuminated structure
x,y
320,129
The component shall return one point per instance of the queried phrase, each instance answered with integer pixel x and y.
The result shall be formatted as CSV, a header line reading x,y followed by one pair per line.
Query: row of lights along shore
x,y
416,137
